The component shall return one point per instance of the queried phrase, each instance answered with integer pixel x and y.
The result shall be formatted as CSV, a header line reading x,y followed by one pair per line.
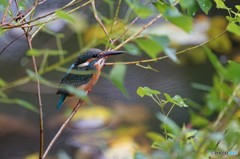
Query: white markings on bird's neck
x,y
100,62
83,64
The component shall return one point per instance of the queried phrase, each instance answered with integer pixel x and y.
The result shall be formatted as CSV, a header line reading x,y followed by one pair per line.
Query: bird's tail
x,y
61,100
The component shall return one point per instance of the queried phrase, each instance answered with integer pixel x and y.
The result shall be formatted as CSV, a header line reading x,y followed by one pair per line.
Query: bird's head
x,y
96,55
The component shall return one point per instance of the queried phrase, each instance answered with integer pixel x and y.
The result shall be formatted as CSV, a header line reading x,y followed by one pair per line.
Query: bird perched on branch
x,y
91,62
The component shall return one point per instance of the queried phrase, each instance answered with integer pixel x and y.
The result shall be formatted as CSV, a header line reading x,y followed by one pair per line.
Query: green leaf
x,y
163,42
65,16
190,133
149,46
183,22
190,6
139,8
2,82
234,28
20,102
36,52
176,100
168,98
25,104
42,80
155,137
132,49
238,7
146,91
197,120
215,62
171,53
220,4
169,124
179,101
81,94
205,5
201,87
22,5
174,16
109,2
154,44
232,71
117,75
3,95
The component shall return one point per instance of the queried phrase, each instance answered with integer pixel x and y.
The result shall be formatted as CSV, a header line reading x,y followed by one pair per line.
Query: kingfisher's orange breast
x,y
88,86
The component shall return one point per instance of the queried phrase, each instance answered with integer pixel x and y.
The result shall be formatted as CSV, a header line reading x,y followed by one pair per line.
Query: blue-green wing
x,y
74,79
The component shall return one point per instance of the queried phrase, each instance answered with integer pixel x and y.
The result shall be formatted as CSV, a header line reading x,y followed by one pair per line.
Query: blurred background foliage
x,y
186,106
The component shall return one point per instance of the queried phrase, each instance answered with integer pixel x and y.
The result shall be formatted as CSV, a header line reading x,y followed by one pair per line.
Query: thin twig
x,y
126,30
52,17
99,20
6,11
8,26
164,57
74,111
229,102
41,24
139,32
11,43
39,100
16,3
114,21
29,39
41,131
34,6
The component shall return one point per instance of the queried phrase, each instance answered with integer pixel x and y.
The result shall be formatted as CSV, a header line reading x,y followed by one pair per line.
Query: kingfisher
x,y
92,62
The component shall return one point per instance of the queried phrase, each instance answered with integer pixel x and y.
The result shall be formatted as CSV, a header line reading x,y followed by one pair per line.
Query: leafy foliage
x,y
139,8
223,99
174,101
171,14
117,77
35,52
233,18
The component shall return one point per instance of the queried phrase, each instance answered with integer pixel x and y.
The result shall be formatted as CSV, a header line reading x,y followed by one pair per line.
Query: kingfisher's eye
x,y
95,55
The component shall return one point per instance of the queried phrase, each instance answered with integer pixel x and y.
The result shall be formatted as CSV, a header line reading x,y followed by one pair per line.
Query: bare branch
x,y
29,39
164,57
139,32
9,26
99,20
74,111
5,13
11,43
125,31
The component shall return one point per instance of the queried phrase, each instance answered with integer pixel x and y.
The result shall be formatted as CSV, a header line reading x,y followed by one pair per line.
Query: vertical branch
x,y
113,23
29,39
99,20
74,111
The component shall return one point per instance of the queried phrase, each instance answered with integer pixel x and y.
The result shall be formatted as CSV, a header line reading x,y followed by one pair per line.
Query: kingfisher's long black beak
x,y
110,53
